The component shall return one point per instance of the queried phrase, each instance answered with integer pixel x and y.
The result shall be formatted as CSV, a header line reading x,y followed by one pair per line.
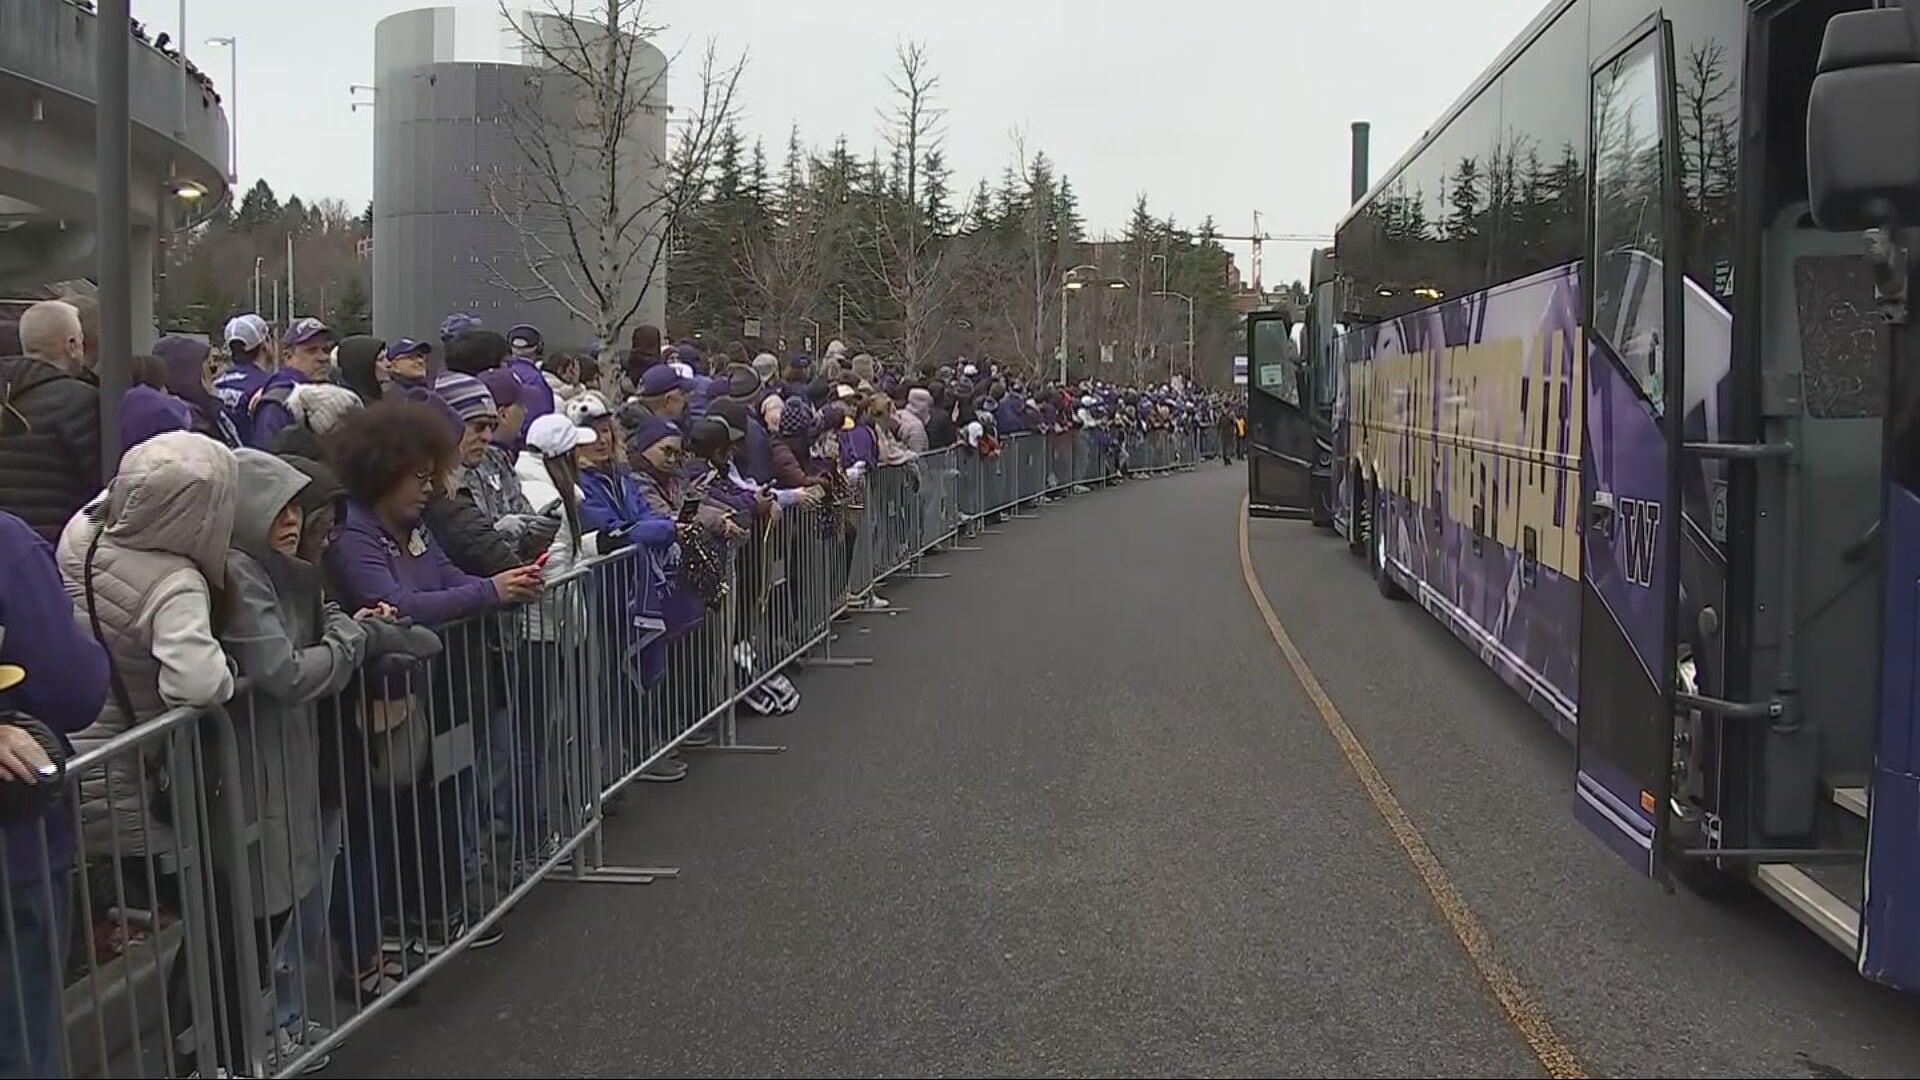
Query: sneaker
x,y
486,938
698,738
290,1043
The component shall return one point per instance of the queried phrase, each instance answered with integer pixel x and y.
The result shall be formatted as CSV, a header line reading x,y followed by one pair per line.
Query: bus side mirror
x,y
1863,122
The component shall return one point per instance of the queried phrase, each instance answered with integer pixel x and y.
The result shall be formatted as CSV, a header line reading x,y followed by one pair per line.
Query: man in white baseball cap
x,y
250,345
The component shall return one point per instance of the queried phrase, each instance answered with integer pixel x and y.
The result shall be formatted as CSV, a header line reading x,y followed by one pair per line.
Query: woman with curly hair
x,y
389,458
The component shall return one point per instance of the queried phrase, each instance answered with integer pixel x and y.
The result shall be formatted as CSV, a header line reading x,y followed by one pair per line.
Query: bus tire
x,y
1382,577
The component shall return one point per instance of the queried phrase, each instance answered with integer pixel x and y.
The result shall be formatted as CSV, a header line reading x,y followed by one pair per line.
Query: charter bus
x,y
1612,374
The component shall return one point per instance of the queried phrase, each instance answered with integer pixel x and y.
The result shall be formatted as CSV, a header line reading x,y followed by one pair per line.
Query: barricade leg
x,y
827,556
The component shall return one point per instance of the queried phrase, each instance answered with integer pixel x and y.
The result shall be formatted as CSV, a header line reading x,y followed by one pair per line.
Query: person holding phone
x,y
389,457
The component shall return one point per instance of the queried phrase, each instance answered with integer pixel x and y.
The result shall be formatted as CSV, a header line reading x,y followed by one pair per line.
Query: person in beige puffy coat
x,y
142,563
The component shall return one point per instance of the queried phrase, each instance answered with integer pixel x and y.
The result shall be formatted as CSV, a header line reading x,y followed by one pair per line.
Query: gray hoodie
x,y
294,648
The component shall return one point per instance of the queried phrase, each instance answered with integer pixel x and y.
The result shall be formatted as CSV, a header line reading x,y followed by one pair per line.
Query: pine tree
x,y
355,314
1463,200
980,214
1066,213
258,208
756,183
366,218
936,195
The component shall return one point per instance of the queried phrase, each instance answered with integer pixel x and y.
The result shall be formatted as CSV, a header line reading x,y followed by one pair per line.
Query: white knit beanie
x,y
321,406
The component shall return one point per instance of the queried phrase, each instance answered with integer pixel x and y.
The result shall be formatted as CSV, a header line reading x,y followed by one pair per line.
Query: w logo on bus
x,y
1640,535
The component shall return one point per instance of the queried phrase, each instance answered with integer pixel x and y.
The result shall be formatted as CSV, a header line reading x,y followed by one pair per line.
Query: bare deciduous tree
x,y
593,202
903,256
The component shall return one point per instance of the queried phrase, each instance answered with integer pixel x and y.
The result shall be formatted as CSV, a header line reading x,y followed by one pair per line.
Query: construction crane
x,y
1260,237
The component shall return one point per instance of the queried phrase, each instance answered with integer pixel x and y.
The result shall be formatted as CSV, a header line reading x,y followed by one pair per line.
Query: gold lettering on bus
x,y
1493,426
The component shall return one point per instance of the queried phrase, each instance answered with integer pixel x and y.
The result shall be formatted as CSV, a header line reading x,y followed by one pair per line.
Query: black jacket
x,y
298,440
49,443
468,535
940,431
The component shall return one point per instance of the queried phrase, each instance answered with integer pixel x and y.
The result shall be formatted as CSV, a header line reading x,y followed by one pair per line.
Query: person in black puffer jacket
x,y
49,422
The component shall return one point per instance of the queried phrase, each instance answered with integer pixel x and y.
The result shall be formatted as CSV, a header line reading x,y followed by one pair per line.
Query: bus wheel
x,y
1382,577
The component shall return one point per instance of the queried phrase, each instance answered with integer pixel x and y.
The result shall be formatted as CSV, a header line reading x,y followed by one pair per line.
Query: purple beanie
x,y
420,393
645,429
503,386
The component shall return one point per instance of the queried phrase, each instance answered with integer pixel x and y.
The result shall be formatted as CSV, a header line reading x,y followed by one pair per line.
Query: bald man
x,y
49,421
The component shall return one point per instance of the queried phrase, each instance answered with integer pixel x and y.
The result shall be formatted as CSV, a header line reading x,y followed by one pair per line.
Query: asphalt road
x,y
1080,819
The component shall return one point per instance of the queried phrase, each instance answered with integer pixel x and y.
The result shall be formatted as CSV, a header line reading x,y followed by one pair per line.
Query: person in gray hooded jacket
x,y
295,648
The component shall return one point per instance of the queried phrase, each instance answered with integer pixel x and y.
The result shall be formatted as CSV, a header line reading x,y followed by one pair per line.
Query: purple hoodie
x,y
146,412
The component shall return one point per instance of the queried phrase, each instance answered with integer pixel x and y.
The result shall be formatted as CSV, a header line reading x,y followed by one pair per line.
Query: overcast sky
x,y
1219,107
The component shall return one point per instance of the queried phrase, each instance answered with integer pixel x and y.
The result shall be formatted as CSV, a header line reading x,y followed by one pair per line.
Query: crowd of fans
x,y
300,513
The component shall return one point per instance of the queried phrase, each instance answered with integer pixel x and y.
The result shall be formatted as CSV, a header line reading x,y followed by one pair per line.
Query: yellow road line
x,y
1521,1010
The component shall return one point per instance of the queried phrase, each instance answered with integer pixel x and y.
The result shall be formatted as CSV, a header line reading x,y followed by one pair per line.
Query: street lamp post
x,y
1068,284
113,151
1189,301
813,343
232,45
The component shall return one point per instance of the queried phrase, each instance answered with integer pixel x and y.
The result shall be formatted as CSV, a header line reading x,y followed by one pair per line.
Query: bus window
x,y
1629,301
1276,361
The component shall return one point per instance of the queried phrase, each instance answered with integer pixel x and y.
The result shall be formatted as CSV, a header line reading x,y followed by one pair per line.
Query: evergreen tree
x,y
1066,212
355,313
1463,201
980,215
791,199
258,208
366,218
936,195
756,182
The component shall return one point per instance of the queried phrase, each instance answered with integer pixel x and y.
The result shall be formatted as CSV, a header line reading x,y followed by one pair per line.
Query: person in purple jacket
x,y
53,673
389,458
307,358
148,409
536,396
250,347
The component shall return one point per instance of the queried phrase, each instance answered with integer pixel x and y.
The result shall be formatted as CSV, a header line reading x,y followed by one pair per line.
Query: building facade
x,y
49,171
458,95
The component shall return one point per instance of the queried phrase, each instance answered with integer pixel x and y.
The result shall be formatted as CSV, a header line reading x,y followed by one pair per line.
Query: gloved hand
x,y
540,532
29,749
403,641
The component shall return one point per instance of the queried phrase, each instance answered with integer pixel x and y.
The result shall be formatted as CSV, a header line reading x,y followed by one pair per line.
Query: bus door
x,y
1280,430
1630,451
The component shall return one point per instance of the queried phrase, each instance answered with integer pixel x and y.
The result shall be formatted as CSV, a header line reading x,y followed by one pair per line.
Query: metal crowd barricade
x,y
117,954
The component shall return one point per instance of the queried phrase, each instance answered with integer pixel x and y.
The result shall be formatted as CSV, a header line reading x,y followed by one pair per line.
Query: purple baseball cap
x,y
457,322
406,346
662,379
307,329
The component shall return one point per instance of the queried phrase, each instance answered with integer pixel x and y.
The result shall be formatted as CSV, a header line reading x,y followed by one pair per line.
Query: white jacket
x,y
562,611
